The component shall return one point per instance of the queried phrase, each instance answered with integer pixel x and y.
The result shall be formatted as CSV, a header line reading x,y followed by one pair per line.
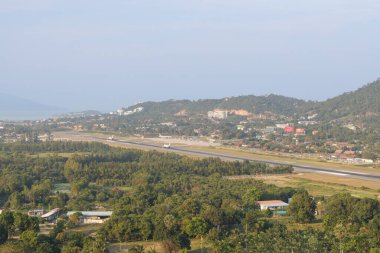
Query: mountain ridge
x,y
13,107
364,101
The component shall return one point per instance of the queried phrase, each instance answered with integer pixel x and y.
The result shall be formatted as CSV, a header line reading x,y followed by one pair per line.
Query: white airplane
x,y
166,146
111,138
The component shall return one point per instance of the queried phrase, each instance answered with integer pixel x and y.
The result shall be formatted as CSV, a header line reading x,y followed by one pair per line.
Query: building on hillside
x,y
52,216
300,131
92,217
289,130
217,114
272,204
307,122
282,125
269,130
36,212
240,127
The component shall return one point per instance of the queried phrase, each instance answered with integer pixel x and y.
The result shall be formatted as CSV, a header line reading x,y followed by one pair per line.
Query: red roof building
x,y
300,131
289,130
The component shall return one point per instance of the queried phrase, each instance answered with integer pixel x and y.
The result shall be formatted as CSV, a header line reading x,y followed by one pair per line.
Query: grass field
x,y
63,188
123,247
321,185
307,160
50,154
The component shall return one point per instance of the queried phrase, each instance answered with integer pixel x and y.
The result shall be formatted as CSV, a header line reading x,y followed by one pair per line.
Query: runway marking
x,y
331,173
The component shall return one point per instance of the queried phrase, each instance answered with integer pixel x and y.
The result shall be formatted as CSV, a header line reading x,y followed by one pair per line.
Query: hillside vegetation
x,y
364,102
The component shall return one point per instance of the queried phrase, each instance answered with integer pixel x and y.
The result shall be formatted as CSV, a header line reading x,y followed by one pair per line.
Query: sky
x,y
96,54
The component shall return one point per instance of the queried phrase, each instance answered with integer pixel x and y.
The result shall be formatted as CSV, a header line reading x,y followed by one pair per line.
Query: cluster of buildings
x,y
285,128
124,112
217,114
85,217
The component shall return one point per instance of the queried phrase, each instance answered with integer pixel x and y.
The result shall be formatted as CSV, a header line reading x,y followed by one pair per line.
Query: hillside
x,y
254,104
362,103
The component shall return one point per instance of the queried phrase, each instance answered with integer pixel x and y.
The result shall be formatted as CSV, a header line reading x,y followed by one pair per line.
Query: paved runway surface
x,y
333,172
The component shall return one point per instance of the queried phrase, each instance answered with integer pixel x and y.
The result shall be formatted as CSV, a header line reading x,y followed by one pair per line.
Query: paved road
x,y
334,172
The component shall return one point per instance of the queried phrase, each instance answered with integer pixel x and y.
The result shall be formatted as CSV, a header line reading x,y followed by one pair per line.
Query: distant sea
x,y
26,115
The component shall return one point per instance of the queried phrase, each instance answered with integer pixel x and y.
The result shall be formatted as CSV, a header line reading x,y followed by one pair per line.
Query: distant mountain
x,y
14,108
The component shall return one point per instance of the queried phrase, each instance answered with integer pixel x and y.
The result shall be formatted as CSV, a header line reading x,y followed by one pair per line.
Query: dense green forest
x,y
171,199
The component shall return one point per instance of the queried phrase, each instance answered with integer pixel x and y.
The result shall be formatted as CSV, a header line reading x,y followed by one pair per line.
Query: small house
x,y
52,215
36,212
92,217
272,204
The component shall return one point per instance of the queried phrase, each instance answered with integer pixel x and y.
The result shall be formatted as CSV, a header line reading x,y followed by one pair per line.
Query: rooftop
x,y
272,203
52,212
92,213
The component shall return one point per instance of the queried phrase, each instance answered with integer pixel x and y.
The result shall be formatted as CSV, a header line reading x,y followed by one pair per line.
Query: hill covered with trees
x,y
364,102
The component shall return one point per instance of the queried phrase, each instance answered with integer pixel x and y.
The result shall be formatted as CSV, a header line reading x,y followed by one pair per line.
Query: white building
x,y
92,217
217,114
272,204
282,125
52,215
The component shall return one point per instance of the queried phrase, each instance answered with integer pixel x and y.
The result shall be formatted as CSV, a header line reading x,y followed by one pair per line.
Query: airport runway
x,y
333,172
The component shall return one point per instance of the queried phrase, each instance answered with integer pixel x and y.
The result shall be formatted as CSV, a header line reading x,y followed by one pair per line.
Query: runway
x,y
300,168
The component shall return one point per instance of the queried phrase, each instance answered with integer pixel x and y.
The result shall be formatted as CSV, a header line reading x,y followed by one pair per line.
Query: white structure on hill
x,y
217,114
272,204
92,217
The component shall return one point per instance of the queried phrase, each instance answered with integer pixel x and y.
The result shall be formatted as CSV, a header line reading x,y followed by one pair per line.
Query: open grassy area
x,y
63,188
322,185
307,160
86,229
123,247
61,154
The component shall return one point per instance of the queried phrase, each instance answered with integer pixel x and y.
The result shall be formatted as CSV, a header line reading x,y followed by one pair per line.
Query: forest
x,y
169,199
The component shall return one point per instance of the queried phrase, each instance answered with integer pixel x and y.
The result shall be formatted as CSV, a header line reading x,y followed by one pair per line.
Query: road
x,y
185,151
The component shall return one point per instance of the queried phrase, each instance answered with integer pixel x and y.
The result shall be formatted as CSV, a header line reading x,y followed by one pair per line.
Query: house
x,y
92,217
272,204
269,130
300,131
282,125
36,212
289,130
52,215
217,114
240,127
1,211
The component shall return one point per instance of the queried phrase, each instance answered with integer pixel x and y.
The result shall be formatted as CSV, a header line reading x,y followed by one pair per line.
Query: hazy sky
x,y
97,54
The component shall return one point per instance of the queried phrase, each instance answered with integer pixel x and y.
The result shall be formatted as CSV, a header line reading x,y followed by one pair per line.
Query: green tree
x,y
30,239
197,227
302,207
137,249
250,197
7,219
3,233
